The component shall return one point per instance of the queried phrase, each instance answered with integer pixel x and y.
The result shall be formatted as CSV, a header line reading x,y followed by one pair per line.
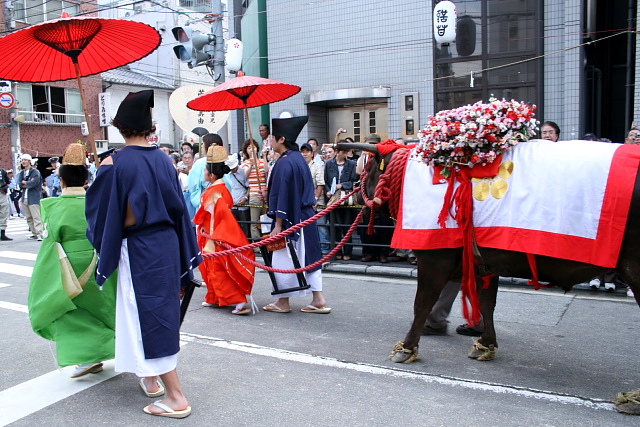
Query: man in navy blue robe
x,y
139,224
291,196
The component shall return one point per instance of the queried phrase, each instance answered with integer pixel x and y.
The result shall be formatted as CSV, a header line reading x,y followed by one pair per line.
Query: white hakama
x,y
129,349
282,259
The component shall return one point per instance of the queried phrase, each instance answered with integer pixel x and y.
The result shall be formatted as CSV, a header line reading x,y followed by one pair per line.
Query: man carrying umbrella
x,y
291,201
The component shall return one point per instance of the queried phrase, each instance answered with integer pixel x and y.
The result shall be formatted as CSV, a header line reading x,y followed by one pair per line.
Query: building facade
x,y
375,66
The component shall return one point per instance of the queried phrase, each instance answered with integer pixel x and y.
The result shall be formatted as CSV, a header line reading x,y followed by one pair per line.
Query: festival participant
x,y
65,303
139,224
550,131
196,181
291,200
230,278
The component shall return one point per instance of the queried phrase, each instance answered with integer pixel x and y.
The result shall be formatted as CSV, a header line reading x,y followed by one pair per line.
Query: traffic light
x,y
193,47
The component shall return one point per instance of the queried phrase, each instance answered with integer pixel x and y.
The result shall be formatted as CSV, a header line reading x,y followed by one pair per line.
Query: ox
x,y
438,266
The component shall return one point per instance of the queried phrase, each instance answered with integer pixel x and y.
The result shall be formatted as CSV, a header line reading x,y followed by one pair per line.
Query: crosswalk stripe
x,y
18,270
14,307
46,390
28,256
4,285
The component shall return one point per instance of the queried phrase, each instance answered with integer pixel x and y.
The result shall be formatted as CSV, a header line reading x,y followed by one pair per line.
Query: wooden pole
x,y
253,154
86,116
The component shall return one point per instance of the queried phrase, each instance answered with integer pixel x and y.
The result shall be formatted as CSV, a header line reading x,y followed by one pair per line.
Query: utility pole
x,y
16,146
218,47
218,56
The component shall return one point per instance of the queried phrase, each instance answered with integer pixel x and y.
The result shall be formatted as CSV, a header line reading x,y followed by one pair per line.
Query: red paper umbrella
x,y
68,48
243,92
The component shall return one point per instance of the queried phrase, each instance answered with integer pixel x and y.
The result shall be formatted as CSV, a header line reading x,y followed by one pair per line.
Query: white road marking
x,y
367,368
14,307
18,270
48,389
27,256
31,396
4,285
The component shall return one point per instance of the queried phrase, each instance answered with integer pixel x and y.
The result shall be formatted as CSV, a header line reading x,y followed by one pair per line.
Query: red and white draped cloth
x,y
566,200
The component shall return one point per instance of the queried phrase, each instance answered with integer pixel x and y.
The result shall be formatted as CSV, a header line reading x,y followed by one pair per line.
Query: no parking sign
x,y
7,100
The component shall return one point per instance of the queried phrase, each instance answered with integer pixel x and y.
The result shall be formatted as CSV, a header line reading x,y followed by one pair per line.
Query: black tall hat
x,y
135,111
289,128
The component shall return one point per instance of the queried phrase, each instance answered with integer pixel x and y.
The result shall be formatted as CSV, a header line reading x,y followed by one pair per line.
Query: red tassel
x,y
464,218
448,201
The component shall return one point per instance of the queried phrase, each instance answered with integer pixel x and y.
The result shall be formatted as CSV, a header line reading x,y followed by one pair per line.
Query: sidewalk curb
x,y
402,271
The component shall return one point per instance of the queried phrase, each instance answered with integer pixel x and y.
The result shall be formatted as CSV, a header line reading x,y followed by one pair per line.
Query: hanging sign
x,y
444,22
104,103
187,119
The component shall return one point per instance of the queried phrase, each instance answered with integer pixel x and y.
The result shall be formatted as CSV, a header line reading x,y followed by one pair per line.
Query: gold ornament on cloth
x,y
499,188
495,186
75,155
506,169
481,191
217,154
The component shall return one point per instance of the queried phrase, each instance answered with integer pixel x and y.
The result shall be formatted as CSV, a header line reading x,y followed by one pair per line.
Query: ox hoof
x,y
403,355
628,403
481,352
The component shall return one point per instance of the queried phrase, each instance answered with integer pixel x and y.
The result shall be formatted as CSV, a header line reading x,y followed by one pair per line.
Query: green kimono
x,y
83,327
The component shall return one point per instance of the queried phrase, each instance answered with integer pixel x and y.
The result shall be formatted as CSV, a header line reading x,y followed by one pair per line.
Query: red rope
x,y
367,201
308,267
283,233
389,188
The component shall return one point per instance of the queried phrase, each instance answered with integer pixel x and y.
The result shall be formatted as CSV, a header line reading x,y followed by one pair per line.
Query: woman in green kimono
x,y
65,303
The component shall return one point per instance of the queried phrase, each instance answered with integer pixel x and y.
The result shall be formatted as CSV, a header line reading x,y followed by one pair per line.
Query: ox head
x,y
375,166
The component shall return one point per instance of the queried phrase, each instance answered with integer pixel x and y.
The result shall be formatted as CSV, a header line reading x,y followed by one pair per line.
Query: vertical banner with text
x,y
104,101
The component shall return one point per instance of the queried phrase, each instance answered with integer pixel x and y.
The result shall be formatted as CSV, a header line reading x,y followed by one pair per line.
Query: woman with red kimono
x,y
229,278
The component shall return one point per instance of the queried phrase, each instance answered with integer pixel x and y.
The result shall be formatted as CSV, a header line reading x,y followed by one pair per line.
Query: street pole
x,y
16,146
218,54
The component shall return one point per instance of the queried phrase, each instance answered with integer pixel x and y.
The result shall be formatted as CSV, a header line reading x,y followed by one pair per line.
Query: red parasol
x,y
67,48
244,92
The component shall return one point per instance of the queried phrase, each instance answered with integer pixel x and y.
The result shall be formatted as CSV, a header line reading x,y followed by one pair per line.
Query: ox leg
x,y
435,268
484,348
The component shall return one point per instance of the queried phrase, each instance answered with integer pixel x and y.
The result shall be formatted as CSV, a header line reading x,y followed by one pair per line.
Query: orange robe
x,y
229,278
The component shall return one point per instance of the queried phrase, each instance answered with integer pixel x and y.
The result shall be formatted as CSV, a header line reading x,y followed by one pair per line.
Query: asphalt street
x,y
562,359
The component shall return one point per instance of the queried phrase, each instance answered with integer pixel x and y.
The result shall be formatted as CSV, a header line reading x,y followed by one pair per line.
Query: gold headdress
x,y
217,154
75,155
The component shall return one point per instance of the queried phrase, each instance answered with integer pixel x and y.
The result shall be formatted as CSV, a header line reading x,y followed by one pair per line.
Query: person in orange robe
x,y
229,278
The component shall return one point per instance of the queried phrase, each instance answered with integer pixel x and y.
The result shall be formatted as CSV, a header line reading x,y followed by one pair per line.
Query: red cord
x,y
308,267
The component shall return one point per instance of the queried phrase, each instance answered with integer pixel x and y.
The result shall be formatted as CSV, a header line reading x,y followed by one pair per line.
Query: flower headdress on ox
x,y
475,134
